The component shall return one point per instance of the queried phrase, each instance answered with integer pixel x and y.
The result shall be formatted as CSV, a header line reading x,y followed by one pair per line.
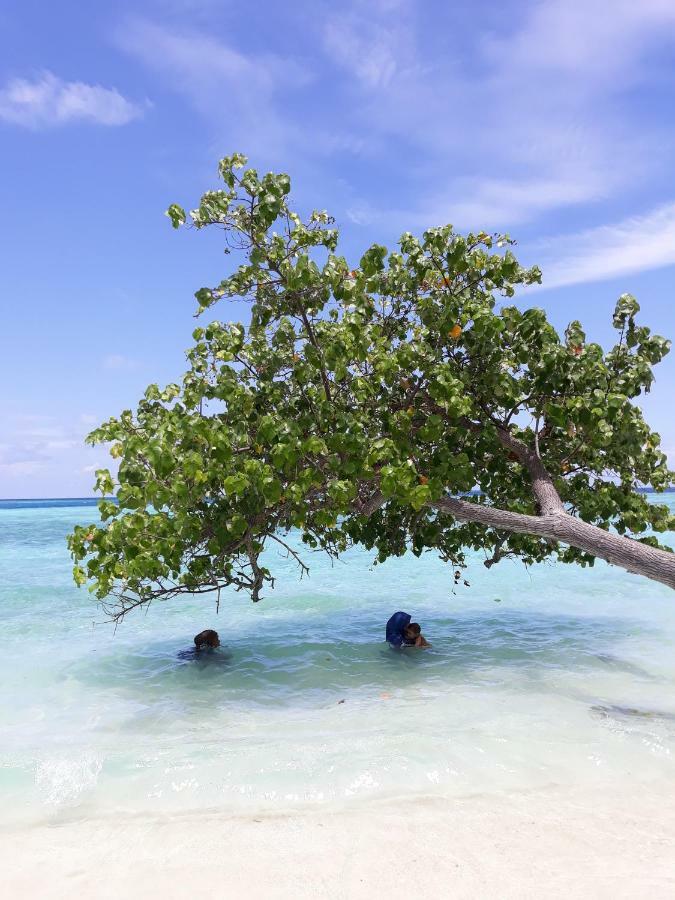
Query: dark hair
x,y
415,628
208,637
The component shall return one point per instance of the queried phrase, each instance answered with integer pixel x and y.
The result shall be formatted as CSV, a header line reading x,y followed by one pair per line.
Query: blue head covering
x,y
395,627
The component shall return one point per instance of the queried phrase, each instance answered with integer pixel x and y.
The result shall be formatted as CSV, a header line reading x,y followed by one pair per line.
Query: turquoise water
x,y
536,677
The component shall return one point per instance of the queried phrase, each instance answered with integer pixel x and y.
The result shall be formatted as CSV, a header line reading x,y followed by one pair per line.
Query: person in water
x,y
401,632
413,637
208,638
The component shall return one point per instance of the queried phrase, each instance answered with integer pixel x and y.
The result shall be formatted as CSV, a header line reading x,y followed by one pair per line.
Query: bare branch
x,y
304,568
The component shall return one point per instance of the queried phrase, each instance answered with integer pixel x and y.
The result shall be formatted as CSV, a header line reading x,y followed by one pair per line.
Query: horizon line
x,y
112,497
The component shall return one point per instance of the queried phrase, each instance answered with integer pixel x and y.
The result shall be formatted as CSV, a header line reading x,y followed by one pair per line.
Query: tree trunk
x,y
659,565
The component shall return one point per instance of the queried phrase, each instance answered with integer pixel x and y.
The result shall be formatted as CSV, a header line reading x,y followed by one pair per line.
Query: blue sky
x,y
549,119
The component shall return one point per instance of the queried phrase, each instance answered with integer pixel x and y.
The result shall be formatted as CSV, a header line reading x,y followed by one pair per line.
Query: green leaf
x,y
626,308
176,214
235,484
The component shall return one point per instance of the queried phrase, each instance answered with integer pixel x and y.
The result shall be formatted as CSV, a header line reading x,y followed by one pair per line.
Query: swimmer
x,y
413,637
401,632
208,639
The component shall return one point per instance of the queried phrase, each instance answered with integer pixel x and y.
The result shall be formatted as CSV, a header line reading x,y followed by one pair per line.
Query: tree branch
x,y
371,504
546,495
313,341
634,556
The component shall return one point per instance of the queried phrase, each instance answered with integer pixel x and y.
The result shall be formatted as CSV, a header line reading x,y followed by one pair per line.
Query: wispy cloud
x,y
233,89
578,39
118,362
369,53
20,467
21,453
632,245
494,129
494,204
89,470
372,40
43,447
502,128
491,204
31,442
48,101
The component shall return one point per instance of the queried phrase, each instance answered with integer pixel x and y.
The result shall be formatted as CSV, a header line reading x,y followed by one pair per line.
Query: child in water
x,y
208,638
401,632
413,637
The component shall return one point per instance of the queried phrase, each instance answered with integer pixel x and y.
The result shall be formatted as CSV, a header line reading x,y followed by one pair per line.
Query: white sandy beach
x,y
552,843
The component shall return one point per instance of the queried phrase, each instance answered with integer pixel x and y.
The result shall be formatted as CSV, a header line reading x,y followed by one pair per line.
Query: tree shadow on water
x,y
153,664
311,662
468,645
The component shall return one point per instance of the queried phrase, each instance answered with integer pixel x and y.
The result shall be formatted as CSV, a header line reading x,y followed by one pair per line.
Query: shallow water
x,y
552,675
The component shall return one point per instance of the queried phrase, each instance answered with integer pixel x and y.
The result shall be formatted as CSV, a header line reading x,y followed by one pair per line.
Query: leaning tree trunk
x,y
641,559
553,521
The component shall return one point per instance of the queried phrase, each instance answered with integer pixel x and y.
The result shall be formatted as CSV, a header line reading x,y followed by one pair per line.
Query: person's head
x,y
412,631
208,638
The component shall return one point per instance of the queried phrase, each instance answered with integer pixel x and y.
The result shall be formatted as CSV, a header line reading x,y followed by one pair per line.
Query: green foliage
x,y
395,376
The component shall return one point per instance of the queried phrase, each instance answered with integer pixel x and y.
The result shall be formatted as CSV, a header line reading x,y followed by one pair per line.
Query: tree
x,y
363,406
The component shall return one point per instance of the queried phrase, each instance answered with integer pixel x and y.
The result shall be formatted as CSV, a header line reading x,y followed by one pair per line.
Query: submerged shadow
x,y
615,711
205,656
345,652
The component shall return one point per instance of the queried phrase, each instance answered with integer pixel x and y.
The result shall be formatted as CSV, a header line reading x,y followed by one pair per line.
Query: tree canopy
x,y
365,404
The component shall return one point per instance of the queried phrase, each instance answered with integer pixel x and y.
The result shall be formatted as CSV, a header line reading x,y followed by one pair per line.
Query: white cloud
x,y
373,40
62,444
362,213
501,129
117,361
42,456
24,467
370,54
632,245
232,89
48,101
33,440
29,451
488,203
495,129
603,39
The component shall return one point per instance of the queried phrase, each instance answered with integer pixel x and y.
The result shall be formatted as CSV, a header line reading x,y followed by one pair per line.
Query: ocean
x,y
547,676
